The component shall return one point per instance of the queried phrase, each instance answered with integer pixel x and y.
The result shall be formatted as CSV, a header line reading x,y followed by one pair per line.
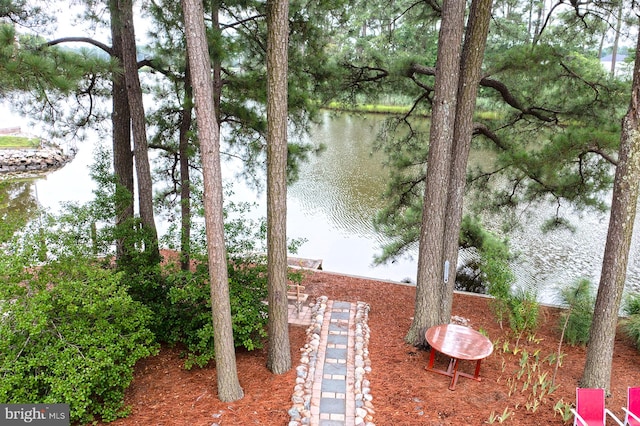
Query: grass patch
x,y
370,108
16,142
398,110
489,115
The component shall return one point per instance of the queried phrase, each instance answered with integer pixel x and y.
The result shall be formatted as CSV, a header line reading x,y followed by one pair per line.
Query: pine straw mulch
x,y
163,393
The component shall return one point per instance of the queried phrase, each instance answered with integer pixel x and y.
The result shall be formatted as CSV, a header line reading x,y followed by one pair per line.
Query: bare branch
x,y
87,40
501,88
603,154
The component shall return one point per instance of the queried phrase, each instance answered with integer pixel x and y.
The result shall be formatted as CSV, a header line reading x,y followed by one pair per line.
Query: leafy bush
x,y
576,320
71,334
632,305
523,312
490,269
189,315
146,282
631,324
519,309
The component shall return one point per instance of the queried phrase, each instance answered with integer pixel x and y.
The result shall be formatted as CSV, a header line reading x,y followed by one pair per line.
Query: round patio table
x,y
458,343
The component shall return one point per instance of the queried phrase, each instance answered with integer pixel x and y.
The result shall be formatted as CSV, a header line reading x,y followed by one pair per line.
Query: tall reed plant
x,y
575,321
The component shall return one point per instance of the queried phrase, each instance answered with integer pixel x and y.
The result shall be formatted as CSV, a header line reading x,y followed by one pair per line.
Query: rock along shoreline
x,y
45,158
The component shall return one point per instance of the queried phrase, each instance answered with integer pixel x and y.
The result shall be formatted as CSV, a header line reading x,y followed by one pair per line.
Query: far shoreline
x,y
23,153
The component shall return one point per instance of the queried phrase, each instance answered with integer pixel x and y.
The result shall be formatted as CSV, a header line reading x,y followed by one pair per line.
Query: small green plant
x,y
631,324
564,410
555,359
500,418
523,314
530,379
632,304
575,321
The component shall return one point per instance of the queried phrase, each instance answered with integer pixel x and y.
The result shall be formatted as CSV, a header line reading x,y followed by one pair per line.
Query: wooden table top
x,y
459,342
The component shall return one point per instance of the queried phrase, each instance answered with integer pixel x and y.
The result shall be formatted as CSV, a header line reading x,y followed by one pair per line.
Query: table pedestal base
x,y
452,370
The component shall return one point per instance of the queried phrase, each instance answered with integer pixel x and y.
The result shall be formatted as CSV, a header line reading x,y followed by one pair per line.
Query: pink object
x,y
632,410
590,409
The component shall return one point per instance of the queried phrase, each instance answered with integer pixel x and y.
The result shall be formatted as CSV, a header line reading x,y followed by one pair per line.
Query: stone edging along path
x,y
314,403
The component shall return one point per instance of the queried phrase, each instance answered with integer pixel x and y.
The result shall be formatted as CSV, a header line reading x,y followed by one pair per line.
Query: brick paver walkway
x,y
333,397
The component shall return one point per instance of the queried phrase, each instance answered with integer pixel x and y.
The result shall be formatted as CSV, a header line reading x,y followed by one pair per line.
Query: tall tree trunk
x,y
429,283
539,24
217,61
472,56
185,175
597,369
530,19
279,356
140,147
121,136
209,136
616,41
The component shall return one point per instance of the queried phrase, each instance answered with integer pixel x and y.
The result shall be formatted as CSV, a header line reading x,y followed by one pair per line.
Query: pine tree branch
x,y
87,40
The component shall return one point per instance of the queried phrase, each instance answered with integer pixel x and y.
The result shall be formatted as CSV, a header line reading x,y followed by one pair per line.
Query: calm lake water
x,y
338,194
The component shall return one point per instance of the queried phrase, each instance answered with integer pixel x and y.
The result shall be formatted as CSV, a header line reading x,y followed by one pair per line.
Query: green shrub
x,y
632,304
496,270
147,284
523,312
520,309
71,335
576,320
631,324
189,314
